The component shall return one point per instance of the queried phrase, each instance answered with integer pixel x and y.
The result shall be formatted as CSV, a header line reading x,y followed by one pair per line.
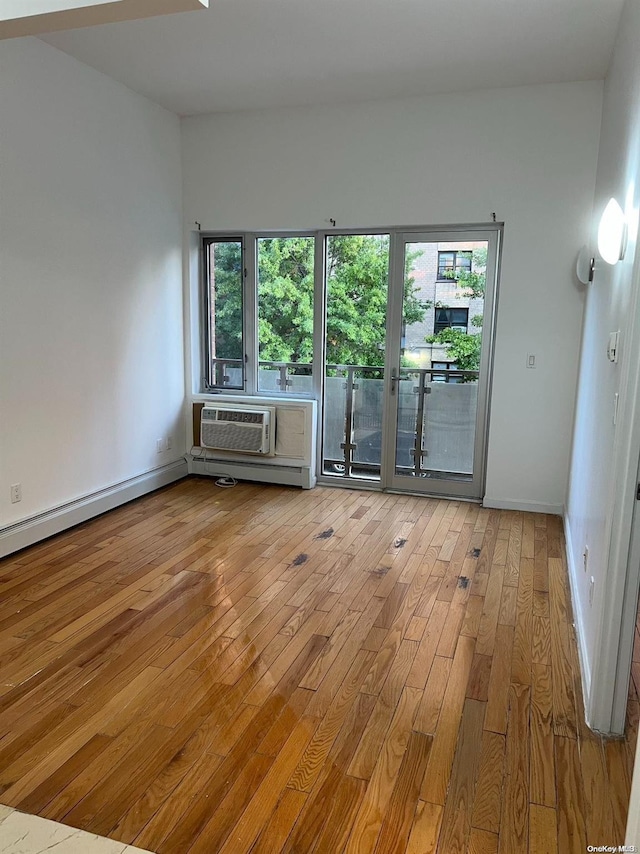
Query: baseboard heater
x,y
269,440
25,533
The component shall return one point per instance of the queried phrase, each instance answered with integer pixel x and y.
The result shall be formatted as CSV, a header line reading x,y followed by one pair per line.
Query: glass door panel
x,y
439,361
356,281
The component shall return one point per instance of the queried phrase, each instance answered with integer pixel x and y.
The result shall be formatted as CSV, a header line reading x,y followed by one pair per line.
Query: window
x,y
225,338
450,264
260,307
445,376
285,313
451,318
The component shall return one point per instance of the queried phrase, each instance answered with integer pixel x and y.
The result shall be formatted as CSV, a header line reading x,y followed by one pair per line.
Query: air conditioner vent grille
x,y
232,436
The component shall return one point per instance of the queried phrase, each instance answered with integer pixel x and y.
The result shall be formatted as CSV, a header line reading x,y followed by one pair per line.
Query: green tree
x,y
464,348
285,299
357,299
225,274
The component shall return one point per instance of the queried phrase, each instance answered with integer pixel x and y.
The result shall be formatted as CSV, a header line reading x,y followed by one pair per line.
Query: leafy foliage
x,y
472,282
226,299
357,271
357,299
285,299
463,349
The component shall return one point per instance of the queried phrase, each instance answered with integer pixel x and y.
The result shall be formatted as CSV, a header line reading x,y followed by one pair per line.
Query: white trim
x,y
526,506
581,638
30,531
627,622
614,639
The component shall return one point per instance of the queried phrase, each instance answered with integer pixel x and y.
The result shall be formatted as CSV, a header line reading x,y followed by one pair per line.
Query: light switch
x,y
612,346
531,360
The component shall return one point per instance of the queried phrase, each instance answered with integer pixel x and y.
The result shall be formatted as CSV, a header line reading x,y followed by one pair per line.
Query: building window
x,y
451,264
451,318
440,372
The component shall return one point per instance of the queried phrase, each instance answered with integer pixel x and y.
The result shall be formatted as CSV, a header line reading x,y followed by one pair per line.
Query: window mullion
x,y
251,313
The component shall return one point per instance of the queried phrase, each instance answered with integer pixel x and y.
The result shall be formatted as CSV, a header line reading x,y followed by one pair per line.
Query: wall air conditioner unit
x,y
244,431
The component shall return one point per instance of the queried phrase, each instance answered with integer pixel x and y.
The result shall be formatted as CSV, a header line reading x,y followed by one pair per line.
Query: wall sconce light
x,y
612,233
585,263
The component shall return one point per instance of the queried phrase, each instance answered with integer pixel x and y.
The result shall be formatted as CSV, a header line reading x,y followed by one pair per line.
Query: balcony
x,y
436,416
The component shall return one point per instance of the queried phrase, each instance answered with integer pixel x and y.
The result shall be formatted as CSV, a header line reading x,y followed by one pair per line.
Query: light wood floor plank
x,y
488,799
514,823
456,819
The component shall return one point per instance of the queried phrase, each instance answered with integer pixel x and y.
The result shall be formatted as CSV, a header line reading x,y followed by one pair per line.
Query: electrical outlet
x,y
16,493
159,446
585,558
592,584
169,444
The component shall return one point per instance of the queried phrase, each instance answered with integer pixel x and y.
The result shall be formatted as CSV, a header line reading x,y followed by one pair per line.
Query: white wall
x,y
603,469
529,154
91,358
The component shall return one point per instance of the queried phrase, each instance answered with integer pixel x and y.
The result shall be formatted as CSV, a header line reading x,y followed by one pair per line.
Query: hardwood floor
x,y
268,669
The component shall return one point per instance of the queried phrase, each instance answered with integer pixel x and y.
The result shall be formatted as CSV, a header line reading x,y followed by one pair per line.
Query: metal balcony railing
x,y
353,411
360,451
227,373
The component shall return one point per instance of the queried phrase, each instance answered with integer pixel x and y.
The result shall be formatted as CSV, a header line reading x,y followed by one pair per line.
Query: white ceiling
x,y
247,54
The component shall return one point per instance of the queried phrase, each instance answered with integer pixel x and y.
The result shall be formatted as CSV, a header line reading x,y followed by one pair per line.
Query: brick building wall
x,y
424,271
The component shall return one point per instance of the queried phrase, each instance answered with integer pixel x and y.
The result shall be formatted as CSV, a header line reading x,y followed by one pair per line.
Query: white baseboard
x,y
518,504
37,528
585,670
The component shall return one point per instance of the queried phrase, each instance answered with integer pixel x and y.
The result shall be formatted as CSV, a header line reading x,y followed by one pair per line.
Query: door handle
x,y
394,379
